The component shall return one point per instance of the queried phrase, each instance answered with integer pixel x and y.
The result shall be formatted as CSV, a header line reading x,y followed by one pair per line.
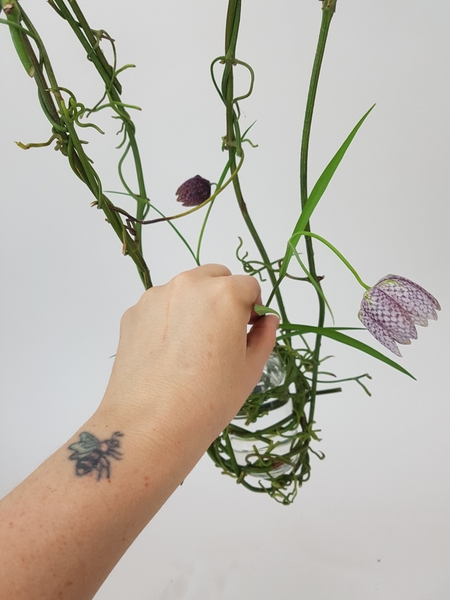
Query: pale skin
x,y
185,365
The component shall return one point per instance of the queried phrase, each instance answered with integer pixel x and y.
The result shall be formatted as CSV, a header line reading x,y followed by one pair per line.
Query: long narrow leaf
x,y
317,193
336,335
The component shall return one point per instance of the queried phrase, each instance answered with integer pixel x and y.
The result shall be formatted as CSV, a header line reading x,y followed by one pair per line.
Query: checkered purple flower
x,y
194,191
391,309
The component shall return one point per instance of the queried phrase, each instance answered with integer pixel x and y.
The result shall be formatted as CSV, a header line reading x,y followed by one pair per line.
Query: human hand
x,y
185,356
184,366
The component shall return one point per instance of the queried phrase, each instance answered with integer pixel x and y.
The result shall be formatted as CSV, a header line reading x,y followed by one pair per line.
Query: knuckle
x,y
126,319
180,281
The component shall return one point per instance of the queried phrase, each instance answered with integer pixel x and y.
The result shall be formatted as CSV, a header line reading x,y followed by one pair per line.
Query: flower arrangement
x,y
268,447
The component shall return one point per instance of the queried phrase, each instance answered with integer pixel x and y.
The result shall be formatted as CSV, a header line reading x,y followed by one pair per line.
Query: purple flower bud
x,y
194,191
391,309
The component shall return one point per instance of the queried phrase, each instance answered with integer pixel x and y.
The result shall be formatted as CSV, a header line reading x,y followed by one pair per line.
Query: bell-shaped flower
x,y
194,191
391,309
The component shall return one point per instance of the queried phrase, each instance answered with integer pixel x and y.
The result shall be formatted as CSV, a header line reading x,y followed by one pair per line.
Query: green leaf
x,y
264,310
335,334
317,193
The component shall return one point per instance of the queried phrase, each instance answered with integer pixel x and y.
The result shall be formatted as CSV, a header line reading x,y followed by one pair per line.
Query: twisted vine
x,y
278,455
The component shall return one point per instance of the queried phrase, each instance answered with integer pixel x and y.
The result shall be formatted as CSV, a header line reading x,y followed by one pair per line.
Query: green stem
x,y
114,90
205,220
49,95
168,221
328,9
338,254
90,43
232,140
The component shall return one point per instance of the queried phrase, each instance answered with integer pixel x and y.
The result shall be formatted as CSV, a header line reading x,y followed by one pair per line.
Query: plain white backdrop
x,y
373,521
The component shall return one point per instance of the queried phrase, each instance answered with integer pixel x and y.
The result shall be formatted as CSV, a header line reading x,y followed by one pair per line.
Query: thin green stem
x,y
328,10
64,123
232,140
338,254
169,222
205,220
89,41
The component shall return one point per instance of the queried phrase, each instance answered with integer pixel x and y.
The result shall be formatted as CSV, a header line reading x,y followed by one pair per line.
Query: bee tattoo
x,y
91,454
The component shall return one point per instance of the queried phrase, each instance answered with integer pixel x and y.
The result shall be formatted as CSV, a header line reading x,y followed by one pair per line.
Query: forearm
x,y
184,366
62,533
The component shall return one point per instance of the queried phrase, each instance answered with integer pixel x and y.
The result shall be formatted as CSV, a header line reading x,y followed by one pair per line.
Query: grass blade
x,y
317,193
335,334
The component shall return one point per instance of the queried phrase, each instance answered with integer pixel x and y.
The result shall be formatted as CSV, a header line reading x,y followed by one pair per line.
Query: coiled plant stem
x,y
232,140
90,44
63,126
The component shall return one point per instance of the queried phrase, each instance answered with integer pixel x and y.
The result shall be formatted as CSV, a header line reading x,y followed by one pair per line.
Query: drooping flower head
x,y
194,191
391,309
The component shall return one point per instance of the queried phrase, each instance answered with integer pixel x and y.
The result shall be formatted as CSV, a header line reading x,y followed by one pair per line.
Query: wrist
x,y
159,434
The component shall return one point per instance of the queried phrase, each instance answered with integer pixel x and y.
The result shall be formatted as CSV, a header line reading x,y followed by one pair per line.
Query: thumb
x,y
260,342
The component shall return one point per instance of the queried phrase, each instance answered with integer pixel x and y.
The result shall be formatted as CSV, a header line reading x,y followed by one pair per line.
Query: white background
x,y
373,522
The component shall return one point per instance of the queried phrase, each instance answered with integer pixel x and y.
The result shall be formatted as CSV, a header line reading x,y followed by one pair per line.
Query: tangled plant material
x,y
268,447
274,457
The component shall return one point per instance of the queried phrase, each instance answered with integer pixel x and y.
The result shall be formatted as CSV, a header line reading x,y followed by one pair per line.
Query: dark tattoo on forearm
x,y
93,455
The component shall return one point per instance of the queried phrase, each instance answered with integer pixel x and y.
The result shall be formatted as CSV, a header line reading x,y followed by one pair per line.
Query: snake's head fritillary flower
x,y
194,191
392,308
